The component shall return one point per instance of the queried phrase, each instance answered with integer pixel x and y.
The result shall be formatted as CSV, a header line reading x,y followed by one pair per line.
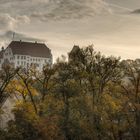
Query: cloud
x,y
119,9
7,22
8,36
136,11
67,9
101,23
54,9
22,19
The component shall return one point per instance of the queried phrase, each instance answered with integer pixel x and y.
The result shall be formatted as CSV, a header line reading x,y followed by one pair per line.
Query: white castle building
x,y
26,54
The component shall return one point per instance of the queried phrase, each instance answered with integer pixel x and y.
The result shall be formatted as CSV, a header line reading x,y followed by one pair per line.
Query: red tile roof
x,y
29,48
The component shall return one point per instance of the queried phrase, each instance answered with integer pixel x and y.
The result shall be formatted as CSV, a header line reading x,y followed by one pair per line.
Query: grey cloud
x,y
8,36
7,22
137,11
104,30
54,9
67,9
130,4
20,36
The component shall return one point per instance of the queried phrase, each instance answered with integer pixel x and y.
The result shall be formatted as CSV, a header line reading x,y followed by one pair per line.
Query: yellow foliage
x,y
111,103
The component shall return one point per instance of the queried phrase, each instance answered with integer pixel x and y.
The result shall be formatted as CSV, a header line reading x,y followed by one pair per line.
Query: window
x,y
50,60
24,57
21,57
46,60
18,57
22,63
18,62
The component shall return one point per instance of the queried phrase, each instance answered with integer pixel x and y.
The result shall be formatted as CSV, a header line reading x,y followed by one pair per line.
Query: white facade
x,y
24,61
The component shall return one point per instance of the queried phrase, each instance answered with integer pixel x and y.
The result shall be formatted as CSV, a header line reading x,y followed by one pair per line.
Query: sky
x,y
112,26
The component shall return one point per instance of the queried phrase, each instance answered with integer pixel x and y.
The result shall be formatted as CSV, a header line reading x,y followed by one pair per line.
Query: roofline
x,y
43,44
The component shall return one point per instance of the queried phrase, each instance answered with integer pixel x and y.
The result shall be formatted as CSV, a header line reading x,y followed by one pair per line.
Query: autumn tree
x,y
27,81
131,90
90,96
98,72
6,75
44,80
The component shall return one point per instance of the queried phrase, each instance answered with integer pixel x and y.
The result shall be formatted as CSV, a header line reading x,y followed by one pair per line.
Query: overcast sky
x,y
113,26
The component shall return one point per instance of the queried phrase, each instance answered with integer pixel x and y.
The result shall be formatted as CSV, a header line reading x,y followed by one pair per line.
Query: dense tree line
x,y
88,97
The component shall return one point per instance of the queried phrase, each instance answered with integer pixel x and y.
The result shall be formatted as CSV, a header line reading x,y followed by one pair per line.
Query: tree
x,y
43,80
99,71
6,75
131,89
28,80
90,97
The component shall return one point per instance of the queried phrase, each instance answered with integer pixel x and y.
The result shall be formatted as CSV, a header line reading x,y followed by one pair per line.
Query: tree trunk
x,y
66,119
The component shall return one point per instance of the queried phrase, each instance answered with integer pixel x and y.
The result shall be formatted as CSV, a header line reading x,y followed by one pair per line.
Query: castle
x,y
26,55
